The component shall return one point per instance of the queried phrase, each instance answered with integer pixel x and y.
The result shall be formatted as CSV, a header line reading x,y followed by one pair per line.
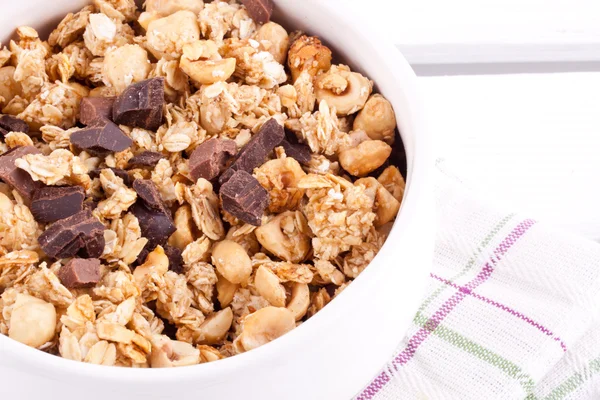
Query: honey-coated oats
x,y
240,269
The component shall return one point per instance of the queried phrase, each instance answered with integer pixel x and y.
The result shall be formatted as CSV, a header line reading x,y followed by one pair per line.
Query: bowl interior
x,y
366,53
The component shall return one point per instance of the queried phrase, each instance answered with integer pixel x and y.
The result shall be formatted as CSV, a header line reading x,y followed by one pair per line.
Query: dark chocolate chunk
x,y
155,225
175,259
121,173
101,137
141,104
270,135
294,149
259,10
79,234
52,203
94,108
145,159
18,179
80,273
244,198
11,124
209,159
149,194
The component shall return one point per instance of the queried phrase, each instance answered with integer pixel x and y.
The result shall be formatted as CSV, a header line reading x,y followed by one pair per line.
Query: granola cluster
x,y
154,212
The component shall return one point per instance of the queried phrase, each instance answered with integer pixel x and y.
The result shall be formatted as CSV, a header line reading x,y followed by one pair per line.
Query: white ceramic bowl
x,y
336,352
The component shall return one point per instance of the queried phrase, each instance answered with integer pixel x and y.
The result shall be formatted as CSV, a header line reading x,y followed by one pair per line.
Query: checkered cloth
x,y
512,311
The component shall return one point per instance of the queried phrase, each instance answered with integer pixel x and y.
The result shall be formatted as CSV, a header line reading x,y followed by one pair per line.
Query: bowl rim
x,y
417,166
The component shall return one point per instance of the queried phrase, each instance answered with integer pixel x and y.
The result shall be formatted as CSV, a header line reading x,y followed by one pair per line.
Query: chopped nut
x,y
167,353
232,261
167,36
343,90
377,119
393,181
299,300
263,326
287,236
308,54
280,177
268,286
365,158
277,40
119,74
32,321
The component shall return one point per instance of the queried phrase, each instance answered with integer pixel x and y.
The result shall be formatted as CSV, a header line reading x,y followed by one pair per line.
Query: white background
x,y
529,141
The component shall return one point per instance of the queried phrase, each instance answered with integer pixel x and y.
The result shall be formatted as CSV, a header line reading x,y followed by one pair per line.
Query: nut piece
x,y
377,119
299,300
207,72
120,74
386,207
343,90
263,326
183,221
225,290
215,327
392,180
307,53
32,321
365,158
232,261
286,236
277,38
167,36
268,286
167,353
156,262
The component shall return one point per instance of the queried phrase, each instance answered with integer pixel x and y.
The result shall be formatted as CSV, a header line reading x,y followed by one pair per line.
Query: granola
x,y
171,258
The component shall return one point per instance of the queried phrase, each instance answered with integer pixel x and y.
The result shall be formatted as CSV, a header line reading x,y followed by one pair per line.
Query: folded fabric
x,y
512,311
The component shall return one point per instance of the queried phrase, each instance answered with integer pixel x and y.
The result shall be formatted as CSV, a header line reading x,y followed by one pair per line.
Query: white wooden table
x,y
530,141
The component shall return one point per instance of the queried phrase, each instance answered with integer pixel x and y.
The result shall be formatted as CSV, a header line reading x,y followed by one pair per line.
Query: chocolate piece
x,y
146,159
93,108
155,225
11,124
294,149
209,159
80,233
149,194
52,203
18,179
101,137
80,273
244,198
141,104
121,173
175,259
259,10
254,153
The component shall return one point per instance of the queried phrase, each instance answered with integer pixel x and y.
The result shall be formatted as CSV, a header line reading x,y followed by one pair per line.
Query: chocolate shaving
x,y
80,234
294,149
80,273
94,108
18,179
101,137
270,135
209,159
175,259
52,203
244,198
145,159
11,124
259,10
141,104
149,194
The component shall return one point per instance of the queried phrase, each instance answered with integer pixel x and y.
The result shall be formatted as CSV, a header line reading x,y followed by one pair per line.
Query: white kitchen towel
x,y
512,311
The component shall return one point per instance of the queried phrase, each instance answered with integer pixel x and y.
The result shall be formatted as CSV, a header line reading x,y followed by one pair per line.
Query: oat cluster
x,y
180,280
